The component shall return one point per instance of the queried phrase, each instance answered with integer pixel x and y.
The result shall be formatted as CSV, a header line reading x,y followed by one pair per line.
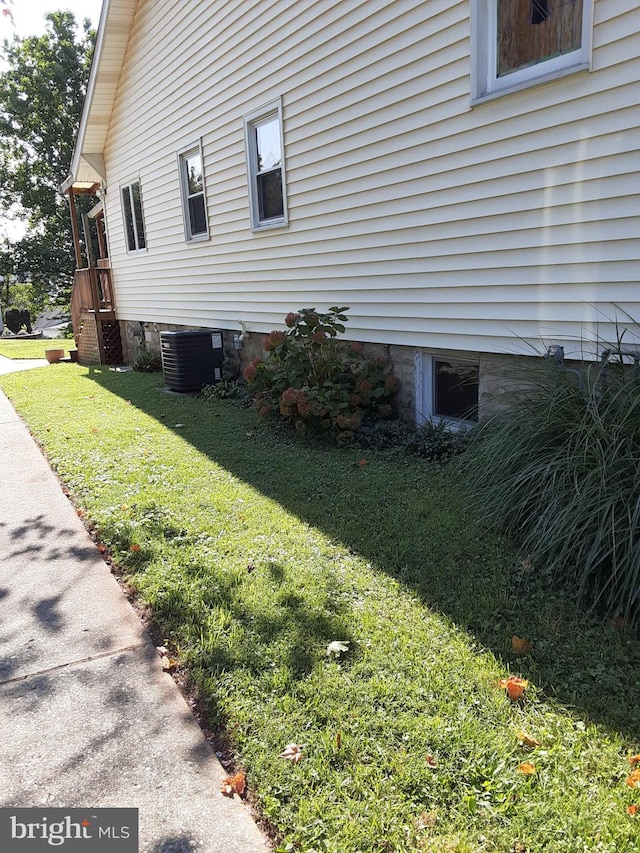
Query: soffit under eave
x,y
116,21
90,170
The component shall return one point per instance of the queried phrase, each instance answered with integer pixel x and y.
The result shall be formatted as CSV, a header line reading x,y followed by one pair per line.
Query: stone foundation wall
x,y
499,375
141,336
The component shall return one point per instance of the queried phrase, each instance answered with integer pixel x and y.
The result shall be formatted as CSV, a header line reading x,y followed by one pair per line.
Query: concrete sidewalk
x,y
12,365
89,718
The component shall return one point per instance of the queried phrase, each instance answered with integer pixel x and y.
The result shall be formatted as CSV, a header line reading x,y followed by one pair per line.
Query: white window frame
x,y
425,389
184,193
485,84
127,185
251,121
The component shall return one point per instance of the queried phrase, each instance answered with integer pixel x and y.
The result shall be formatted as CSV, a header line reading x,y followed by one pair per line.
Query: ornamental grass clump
x,y
317,383
560,472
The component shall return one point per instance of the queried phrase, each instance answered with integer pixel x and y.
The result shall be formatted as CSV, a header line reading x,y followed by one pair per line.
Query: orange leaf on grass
x,y
632,810
514,686
431,762
633,781
520,646
168,663
134,547
234,784
527,740
633,760
527,768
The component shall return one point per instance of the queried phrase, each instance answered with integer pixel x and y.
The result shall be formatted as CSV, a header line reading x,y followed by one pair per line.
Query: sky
x,y
28,15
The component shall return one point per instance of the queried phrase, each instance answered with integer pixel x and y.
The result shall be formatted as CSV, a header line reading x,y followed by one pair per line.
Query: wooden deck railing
x,y
92,291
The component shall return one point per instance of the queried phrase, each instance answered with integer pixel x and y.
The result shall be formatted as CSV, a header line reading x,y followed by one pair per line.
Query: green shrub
x,y
16,318
560,472
148,361
433,441
313,381
227,389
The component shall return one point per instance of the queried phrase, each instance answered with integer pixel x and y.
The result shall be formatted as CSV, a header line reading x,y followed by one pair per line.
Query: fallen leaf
x,y
336,647
514,686
134,547
168,663
527,768
94,429
633,781
102,549
162,650
292,752
632,810
432,764
362,462
520,646
527,740
338,740
425,820
633,760
234,784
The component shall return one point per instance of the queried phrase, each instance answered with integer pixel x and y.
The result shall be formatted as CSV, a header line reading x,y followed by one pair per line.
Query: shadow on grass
x,y
408,520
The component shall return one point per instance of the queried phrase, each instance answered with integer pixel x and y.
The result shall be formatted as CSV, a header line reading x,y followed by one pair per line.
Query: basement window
x,y
447,389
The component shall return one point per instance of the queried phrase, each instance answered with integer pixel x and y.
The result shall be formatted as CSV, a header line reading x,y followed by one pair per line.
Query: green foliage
x,y
148,361
16,318
433,441
561,473
227,389
315,382
41,99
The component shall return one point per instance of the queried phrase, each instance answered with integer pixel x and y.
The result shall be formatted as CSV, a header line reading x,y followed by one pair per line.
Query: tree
x,y
41,99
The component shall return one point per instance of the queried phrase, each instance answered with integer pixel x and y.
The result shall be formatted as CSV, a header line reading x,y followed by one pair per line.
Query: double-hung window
x,y
133,218
518,43
194,204
265,167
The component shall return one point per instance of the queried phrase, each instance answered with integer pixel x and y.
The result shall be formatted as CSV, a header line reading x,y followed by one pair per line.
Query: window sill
x,y
532,82
268,226
198,238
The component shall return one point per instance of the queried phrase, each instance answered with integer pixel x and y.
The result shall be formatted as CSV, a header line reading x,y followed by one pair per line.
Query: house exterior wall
x,y
489,229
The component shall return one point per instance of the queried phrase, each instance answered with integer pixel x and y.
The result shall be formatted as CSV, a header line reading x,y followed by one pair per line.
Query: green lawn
x,y
256,551
34,348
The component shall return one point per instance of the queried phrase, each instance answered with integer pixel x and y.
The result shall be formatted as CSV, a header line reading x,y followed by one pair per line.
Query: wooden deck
x,y
93,317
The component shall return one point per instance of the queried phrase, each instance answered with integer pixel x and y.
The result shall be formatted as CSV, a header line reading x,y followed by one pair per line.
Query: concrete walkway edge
x,y
89,718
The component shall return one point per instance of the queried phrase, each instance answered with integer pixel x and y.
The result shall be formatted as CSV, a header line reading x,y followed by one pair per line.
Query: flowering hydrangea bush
x,y
312,380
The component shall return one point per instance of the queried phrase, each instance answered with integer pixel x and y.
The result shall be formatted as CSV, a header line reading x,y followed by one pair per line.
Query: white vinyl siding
x,y
492,229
